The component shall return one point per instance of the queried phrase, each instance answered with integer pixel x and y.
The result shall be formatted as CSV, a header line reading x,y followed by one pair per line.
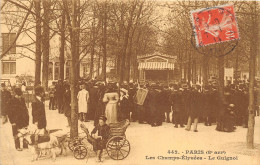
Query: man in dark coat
x,y
93,101
173,102
186,103
146,115
4,102
216,103
100,109
132,106
38,110
245,111
59,95
124,105
177,107
18,115
141,109
51,96
67,103
229,119
240,104
206,106
194,112
160,117
152,101
165,103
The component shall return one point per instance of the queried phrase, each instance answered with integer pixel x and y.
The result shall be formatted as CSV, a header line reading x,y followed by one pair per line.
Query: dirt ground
x,y
150,145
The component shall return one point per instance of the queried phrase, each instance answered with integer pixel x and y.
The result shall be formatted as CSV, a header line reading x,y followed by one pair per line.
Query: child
x,y
83,97
101,139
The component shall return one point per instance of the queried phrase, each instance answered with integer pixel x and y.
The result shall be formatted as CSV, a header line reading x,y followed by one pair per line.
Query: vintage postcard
x,y
130,82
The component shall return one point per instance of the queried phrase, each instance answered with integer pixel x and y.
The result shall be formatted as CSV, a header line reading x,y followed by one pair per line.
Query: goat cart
x,y
117,146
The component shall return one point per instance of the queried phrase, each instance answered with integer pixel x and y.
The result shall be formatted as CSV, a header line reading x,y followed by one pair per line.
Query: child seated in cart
x,y
102,130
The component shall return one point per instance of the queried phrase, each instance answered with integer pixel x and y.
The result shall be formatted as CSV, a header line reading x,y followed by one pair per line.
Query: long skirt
x,y
111,113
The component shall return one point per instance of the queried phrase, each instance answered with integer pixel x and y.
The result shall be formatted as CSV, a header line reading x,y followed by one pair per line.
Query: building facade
x,y
157,67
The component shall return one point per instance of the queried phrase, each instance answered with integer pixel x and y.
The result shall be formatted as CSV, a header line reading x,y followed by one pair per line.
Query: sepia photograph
x,y
130,82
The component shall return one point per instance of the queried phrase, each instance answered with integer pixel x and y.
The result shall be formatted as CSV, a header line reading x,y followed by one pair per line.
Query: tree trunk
x,y
104,44
205,78
46,43
93,43
252,59
194,71
120,44
126,39
135,62
118,61
128,61
236,69
77,25
189,67
73,30
62,45
38,42
99,60
122,62
181,65
251,116
221,74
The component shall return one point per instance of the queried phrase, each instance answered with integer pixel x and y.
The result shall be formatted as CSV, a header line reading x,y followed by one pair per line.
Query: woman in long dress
x,y
83,97
112,98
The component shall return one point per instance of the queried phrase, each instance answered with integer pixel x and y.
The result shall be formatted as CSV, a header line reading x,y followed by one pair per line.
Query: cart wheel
x,y
118,147
80,152
73,143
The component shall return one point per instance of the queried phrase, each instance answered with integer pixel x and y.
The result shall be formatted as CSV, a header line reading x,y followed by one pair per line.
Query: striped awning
x,y
155,66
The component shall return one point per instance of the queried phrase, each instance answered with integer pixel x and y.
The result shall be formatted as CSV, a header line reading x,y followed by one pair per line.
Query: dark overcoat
x,y
66,103
38,113
18,112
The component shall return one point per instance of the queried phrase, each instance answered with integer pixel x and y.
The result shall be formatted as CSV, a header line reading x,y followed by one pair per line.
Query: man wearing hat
x,y
239,104
102,130
4,102
152,101
177,107
18,116
38,110
60,90
186,102
124,104
93,100
206,98
165,103
194,111
131,103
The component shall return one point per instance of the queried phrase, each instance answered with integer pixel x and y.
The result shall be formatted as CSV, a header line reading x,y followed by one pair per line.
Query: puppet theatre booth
x,y
156,68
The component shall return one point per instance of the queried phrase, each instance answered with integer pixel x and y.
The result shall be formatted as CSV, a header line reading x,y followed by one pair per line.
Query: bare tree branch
x,y
18,33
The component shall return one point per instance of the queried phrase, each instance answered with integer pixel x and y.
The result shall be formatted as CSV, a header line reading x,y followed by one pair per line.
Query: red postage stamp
x,y
214,25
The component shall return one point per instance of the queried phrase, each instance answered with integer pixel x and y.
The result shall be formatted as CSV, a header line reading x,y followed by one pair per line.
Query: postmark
x,y
214,25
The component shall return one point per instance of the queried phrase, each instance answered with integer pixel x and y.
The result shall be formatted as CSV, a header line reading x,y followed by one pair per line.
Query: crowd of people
x,y
180,104
14,109
185,103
